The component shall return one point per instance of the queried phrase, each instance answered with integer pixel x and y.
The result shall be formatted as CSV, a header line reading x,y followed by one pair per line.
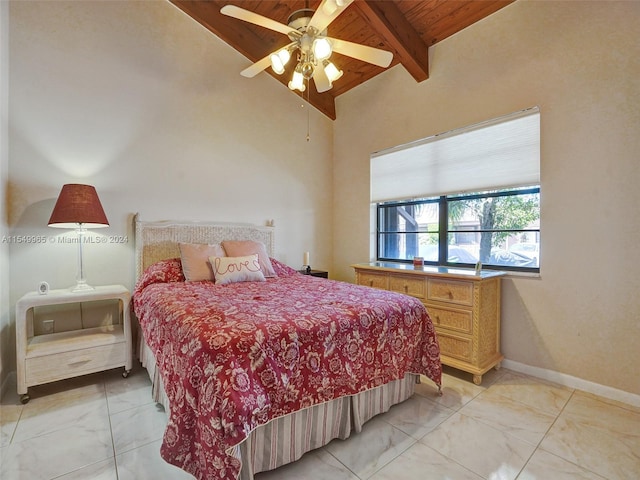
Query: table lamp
x,y
78,207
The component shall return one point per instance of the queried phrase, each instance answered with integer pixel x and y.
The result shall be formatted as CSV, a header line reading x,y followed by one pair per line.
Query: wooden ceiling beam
x,y
241,36
393,27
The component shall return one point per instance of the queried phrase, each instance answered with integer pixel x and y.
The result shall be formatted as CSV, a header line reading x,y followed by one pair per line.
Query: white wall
x,y
138,100
5,308
578,61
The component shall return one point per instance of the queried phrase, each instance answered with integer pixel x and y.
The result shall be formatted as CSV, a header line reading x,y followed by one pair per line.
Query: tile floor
x,y
104,427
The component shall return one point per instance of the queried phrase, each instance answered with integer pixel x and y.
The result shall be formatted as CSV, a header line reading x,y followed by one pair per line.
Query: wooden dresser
x,y
464,307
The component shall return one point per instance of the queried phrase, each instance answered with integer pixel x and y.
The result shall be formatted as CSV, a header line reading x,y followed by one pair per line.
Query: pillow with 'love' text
x,y
236,269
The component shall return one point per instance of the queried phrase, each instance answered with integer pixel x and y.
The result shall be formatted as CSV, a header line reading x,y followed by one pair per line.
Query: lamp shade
x,y
78,204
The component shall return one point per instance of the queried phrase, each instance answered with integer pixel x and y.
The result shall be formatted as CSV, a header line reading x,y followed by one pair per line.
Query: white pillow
x,y
236,269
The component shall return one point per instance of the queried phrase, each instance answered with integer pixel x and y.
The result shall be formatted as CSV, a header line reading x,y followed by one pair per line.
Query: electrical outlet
x,y
47,326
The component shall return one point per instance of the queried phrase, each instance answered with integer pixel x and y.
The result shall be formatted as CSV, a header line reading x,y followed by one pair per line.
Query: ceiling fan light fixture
x,y
297,81
279,60
321,48
332,71
307,30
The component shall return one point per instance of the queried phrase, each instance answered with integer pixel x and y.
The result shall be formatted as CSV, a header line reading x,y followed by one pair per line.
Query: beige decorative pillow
x,y
236,269
239,248
195,260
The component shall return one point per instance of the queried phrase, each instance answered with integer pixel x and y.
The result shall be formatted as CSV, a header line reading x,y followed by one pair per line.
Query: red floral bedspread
x,y
233,357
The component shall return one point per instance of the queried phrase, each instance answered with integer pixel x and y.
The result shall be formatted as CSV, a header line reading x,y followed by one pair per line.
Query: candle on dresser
x,y
306,259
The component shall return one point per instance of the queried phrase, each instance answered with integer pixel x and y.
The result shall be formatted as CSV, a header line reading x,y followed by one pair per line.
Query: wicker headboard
x,y
157,241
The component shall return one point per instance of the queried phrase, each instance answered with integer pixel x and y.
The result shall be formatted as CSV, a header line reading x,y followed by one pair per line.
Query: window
x,y
500,229
462,197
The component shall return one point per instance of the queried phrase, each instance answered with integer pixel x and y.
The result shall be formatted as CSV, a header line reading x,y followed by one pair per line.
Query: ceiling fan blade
x,y
257,67
321,80
256,19
382,58
327,12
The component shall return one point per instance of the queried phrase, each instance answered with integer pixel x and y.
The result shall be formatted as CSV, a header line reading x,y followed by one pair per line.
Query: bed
x,y
253,374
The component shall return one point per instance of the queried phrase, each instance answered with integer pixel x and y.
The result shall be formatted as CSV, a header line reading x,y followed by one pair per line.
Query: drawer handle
x,y
406,288
84,359
371,283
450,294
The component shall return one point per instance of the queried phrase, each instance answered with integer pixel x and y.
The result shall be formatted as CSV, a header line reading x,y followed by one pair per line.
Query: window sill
x,y
523,274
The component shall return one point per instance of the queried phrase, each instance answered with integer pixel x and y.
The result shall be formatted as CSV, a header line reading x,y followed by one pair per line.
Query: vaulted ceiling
x,y
407,28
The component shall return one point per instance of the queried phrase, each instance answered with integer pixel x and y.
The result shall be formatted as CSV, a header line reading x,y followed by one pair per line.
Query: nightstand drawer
x,y
458,320
407,285
450,291
373,280
50,368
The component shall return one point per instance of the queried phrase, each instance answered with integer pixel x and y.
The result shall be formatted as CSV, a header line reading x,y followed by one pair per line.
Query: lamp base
x,y
82,286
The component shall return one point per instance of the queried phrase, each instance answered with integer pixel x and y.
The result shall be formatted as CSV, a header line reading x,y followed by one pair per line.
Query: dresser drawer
x,y
373,280
457,320
49,368
450,291
407,285
453,346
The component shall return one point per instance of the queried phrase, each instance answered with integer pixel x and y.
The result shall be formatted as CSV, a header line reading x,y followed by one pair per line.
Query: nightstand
x,y
315,273
55,356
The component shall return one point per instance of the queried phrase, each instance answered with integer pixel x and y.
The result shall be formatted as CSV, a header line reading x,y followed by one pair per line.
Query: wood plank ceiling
x,y
407,28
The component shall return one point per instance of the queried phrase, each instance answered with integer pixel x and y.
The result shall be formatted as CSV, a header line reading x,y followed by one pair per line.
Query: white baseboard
x,y
574,382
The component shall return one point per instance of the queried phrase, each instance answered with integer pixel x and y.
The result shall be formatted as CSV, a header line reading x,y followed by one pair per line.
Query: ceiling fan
x,y
307,31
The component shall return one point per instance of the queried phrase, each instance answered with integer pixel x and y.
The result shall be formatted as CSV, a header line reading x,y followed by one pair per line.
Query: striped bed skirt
x,y
284,440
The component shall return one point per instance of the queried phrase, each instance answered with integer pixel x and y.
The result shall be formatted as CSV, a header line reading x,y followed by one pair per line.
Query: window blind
x,y
499,153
